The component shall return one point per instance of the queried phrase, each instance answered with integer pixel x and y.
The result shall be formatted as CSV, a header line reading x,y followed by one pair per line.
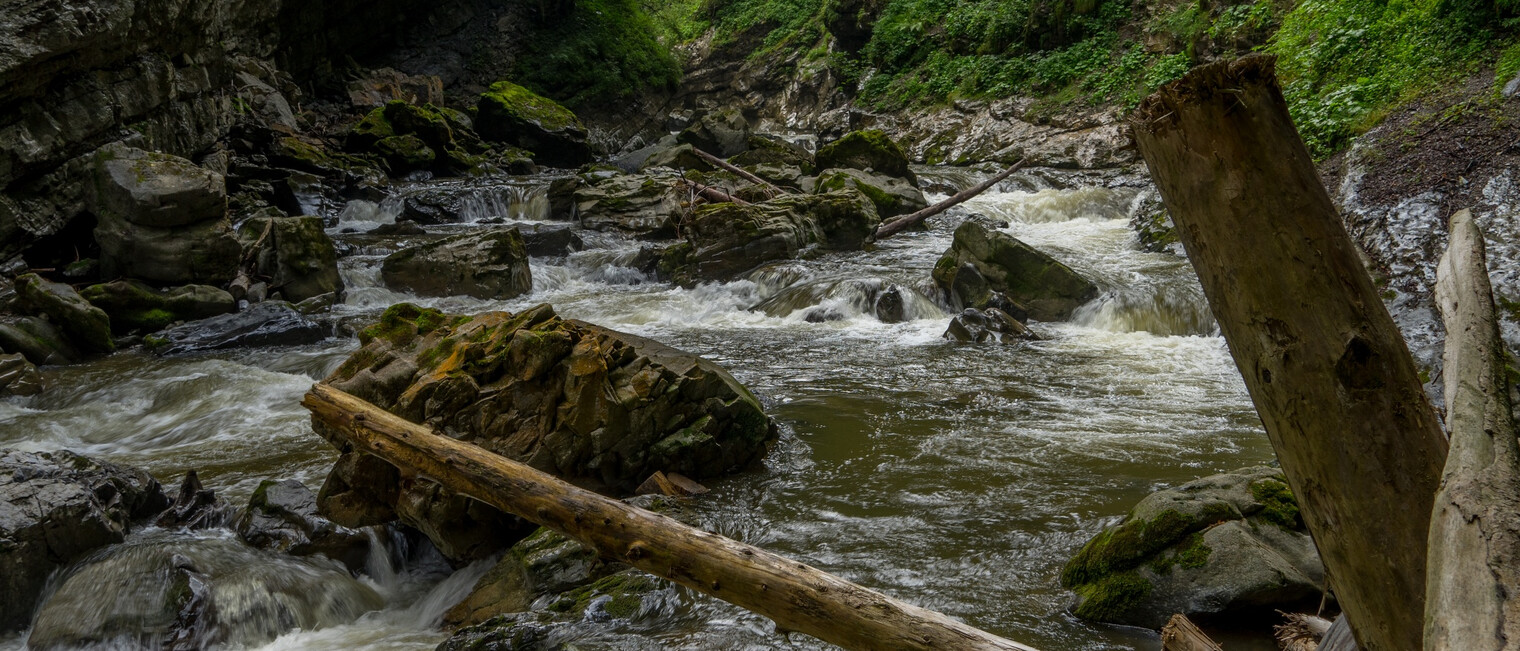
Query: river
x,y
957,477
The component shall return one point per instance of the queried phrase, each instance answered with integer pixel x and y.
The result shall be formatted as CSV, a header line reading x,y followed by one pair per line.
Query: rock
x,y
766,150
981,262
87,326
722,133
36,339
870,150
588,616
56,507
545,563
19,377
892,196
1230,544
550,241
271,323
724,240
297,255
399,229
175,591
639,204
385,85
137,307
491,264
161,219
678,157
593,406
194,507
990,324
512,114
409,138
282,517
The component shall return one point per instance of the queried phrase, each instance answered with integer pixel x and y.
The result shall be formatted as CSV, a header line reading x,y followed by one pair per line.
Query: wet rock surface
x,y
295,254
492,264
19,377
56,507
282,517
271,323
1230,544
987,325
982,262
137,307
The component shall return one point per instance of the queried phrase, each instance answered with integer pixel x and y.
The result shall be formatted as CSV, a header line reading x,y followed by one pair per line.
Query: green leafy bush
x,y
604,50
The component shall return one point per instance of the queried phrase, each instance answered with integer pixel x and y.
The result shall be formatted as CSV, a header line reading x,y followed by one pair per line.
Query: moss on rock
x,y
1279,507
1112,596
870,149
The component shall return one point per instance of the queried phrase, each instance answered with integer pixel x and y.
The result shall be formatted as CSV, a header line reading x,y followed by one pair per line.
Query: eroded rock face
x,y
1228,544
491,265
162,219
56,507
983,262
512,114
591,405
297,256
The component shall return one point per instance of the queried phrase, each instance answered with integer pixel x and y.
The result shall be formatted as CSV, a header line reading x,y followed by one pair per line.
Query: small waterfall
x,y
367,215
1161,313
510,202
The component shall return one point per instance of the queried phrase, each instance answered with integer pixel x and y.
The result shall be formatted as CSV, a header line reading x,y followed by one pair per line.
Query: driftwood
x,y
713,194
1331,377
1300,632
770,189
1473,571
908,221
1180,634
797,597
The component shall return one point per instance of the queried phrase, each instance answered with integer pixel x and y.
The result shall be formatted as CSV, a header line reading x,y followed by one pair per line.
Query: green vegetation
x,y
605,50
1278,505
1107,599
520,104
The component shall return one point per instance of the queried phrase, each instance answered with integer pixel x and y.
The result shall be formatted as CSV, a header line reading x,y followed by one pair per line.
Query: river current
x,y
957,477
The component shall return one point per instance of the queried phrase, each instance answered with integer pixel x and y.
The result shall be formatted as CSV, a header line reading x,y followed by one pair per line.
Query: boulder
x,y
722,133
161,219
491,264
892,196
37,340
410,137
271,323
1225,545
724,240
982,262
543,241
638,204
512,114
871,150
297,255
19,377
137,307
677,157
282,517
194,507
766,150
596,407
987,325
545,563
619,611
56,507
87,326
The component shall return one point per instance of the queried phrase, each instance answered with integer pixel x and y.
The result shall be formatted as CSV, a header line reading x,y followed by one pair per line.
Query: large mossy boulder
x,y
491,265
870,150
515,115
296,255
983,264
87,326
767,150
56,507
892,196
1225,545
722,133
138,307
646,205
594,406
724,240
161,219
38,340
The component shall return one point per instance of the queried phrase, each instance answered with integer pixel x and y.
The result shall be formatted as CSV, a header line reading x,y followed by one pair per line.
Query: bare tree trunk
x,y
1329,373
1473,573
742,173
796,596
907,221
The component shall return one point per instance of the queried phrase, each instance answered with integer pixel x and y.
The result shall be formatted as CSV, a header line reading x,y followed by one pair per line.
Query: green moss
x,y
1112,596
1191,553
406,152
1278,504
402,322
626,589
522,104
373,128
1125,547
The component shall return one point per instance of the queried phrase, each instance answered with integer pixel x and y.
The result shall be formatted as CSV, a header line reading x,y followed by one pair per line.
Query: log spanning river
x,y
957,477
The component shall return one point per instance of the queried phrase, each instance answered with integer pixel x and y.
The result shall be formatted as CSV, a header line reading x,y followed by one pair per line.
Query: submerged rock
x,y
593,406
194,591
19,377
596,615
271,323
282,517
545,563
137,307
491,265
1229,544
870,150
296,255
983,262
87,326
550,241
987,325
162,219
512,114
56,507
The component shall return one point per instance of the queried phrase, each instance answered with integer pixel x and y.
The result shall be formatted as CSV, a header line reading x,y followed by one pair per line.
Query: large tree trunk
x,y
1473,573
1331,377
798,597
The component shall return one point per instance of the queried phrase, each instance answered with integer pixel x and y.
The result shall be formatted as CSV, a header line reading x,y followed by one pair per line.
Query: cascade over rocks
x,y
982,263
56,507
1228,544
297,256
162,219
596,407
134,306
512,114
491,265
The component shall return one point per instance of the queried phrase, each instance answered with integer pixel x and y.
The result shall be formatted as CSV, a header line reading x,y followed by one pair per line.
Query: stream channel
x,y
958,477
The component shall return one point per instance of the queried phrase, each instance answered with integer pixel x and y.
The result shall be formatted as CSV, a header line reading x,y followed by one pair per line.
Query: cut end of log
x,y
1181,634
1202,84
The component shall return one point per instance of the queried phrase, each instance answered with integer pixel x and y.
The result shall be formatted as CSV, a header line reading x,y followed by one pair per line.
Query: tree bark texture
x,y
1329,373
1473,572
796,596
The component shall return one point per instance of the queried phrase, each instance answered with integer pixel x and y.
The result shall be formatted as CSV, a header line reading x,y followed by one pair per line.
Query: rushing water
x,y
957,477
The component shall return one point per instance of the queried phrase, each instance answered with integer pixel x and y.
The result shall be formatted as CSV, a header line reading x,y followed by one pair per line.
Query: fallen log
x,y
714,194
770,189
908,221
1181,634
797,597
1473,569
1328,371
